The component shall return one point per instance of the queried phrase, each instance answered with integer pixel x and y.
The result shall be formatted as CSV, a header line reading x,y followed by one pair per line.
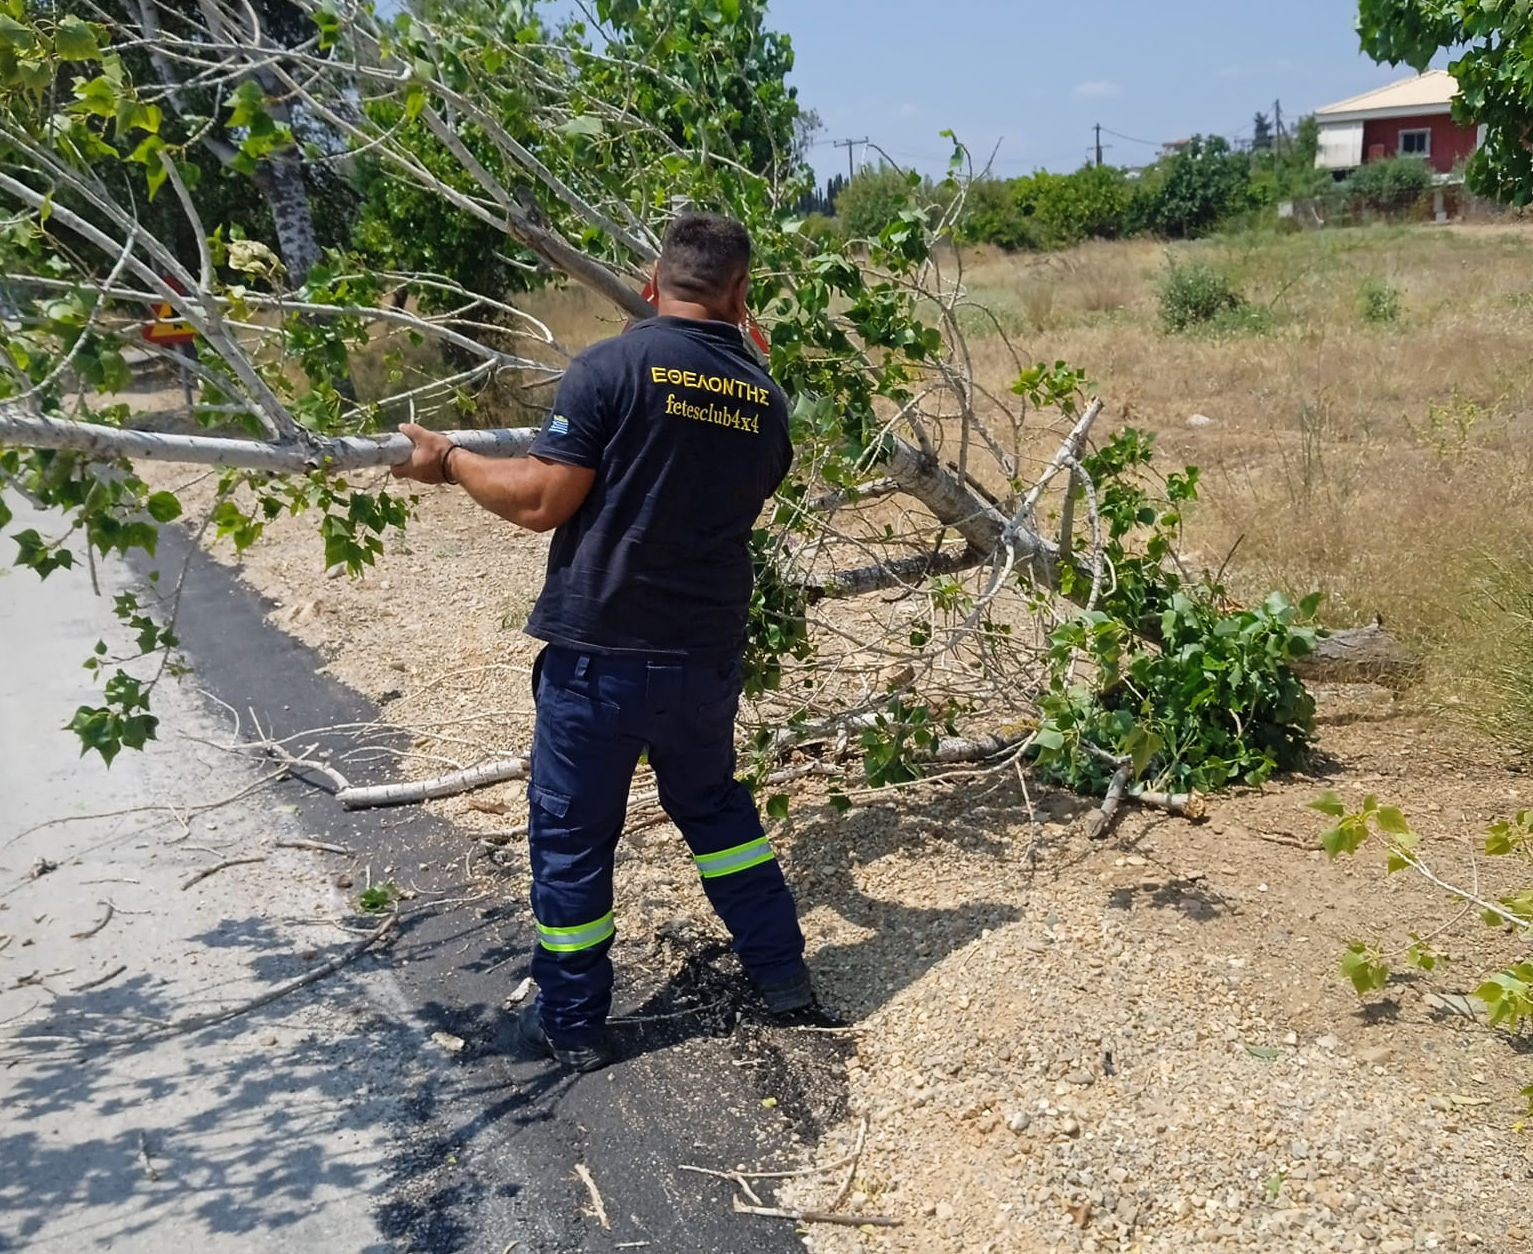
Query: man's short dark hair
x,y
703,255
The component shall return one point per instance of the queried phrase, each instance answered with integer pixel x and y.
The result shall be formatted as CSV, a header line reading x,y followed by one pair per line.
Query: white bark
x,y
922,476
292,457
280,178
416,791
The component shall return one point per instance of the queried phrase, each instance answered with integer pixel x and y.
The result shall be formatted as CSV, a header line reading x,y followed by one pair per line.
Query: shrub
x,y
1046,210
1195,294
873,200
1387,187
1067,208
818,226
1380,301
1191,192
993,216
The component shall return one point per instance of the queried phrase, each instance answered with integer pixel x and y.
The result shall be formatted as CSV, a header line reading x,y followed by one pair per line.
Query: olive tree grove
x,y
955,571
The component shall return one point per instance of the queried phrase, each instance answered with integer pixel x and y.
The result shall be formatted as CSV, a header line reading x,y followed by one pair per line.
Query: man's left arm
x,y
531,492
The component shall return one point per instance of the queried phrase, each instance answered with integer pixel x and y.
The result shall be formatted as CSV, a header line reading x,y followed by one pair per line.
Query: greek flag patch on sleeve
x,y
558,425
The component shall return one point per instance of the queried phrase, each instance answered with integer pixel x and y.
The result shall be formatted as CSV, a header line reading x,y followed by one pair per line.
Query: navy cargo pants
x,y
595,714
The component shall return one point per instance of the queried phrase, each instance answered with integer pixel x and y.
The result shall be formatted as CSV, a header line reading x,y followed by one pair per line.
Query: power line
x,y
1148,143
851,171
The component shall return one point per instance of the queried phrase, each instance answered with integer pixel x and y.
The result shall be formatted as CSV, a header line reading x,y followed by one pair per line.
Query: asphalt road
x,y
330,1120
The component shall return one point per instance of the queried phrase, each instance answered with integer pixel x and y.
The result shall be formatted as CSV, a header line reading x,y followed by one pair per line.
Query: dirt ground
x,y
1143,1044
1139,1044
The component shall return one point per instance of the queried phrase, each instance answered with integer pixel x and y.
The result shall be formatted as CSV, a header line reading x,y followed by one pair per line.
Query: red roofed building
x,y
1411,118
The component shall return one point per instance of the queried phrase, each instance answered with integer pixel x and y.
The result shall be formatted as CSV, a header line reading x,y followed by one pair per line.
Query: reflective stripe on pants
x,y
595,715
730,861
569,940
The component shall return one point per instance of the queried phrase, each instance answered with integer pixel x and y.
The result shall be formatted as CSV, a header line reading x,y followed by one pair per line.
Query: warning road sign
x,y
167,328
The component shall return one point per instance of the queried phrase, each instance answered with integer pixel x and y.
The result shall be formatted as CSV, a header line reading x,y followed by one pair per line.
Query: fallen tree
x,y
955,572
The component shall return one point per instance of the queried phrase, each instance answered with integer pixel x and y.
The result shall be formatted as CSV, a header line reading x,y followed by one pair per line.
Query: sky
x,y
1034,77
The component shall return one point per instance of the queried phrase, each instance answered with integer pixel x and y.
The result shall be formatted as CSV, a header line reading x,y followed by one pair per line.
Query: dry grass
x,y
1388,465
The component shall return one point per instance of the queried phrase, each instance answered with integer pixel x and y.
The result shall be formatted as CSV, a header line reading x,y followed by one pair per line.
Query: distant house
x,y
1411,118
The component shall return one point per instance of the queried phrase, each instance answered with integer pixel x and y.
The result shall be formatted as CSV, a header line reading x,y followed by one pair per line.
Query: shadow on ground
x,y
235,1127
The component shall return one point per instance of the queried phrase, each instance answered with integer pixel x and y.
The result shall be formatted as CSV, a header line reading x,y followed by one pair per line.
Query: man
x,y
662,446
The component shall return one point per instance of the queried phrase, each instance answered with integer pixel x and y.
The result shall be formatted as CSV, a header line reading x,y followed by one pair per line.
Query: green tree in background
x,y
1191,192
873,200
1493,66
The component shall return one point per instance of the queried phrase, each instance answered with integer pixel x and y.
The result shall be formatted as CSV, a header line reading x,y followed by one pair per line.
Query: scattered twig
x,y
673,1014
174,811
430,789
745,1187
22,1014
319,846
1292,839
100,980
818,1216
586,1179
742,1174
216,868
143,1153
851,1171
105,919
42,867
195,1023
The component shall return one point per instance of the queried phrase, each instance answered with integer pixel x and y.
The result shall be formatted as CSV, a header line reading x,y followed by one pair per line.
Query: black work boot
x,y
529,1026
787,997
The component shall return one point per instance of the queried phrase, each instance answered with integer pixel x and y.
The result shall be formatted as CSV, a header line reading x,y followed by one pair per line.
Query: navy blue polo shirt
x,y
688,437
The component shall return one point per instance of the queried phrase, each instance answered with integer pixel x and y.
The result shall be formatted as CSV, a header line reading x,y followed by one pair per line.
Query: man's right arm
x,y
533,492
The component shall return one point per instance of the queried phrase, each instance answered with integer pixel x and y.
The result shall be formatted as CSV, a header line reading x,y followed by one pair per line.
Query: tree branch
x,y
291,457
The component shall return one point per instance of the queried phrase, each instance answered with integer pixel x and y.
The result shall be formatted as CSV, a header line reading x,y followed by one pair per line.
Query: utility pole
x,y
848,144
1277,123
1098,129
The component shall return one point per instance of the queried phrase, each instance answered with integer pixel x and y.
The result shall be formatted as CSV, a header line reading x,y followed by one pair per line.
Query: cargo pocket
x,y
555,803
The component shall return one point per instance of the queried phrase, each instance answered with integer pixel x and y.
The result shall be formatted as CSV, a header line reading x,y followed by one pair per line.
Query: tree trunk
x,y
281,181
1360,655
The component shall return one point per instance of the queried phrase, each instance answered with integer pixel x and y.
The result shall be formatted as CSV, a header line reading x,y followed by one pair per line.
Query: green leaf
x,y
1390,819
74,40
1049,738
1331,804
1268,1052
777,806
840,802
247,104
16,37
584,124
163,507
1365,968
378,898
